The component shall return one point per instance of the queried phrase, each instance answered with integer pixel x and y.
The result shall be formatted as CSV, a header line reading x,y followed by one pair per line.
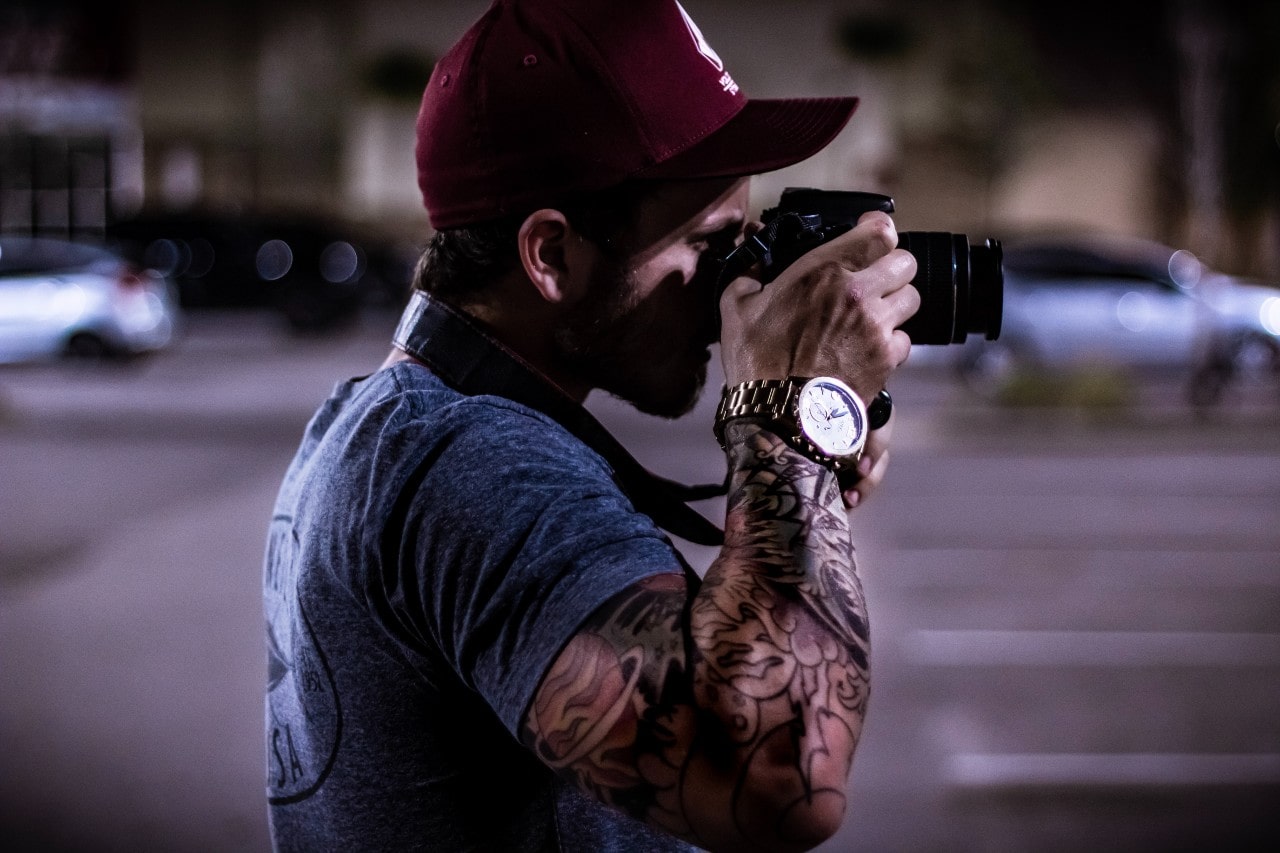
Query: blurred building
x,y
70,139
978,115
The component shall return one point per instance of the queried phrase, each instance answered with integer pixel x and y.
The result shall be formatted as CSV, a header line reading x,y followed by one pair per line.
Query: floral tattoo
x,y
669,695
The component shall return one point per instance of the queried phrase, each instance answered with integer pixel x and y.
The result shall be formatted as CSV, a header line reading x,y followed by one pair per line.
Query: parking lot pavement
x,y
1074,620
1076,635
131,713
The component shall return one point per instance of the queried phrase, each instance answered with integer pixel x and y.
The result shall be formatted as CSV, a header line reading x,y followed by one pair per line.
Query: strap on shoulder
x,y
466,358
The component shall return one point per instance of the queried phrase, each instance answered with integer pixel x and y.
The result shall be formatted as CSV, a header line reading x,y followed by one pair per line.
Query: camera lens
x,y
961,287
986,292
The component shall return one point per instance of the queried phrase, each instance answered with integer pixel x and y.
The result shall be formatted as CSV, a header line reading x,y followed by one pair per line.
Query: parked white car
x,y
59,297
1126,304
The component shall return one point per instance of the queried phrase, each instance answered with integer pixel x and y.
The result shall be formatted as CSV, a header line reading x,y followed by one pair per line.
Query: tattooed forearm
x,y
786,518
781,633
729,718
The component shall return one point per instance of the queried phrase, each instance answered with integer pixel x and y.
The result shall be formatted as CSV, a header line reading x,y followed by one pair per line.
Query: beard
x,y
624,346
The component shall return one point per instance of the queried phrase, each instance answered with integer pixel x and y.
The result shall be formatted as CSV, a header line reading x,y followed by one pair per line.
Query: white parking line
x,y
1091,648
1218,568
1099,769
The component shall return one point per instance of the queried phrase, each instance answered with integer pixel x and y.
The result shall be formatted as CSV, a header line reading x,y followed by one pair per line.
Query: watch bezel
x,y
857,411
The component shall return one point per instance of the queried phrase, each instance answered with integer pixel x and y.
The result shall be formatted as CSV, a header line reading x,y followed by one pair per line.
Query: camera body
x,y
961,286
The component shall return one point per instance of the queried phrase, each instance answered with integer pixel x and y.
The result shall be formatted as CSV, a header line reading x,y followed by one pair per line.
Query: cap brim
x,y
764,135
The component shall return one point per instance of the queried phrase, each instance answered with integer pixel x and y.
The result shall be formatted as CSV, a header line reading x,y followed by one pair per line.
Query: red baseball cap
x,y
544,99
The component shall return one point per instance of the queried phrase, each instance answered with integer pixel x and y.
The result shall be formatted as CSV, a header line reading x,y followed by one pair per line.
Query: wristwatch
x,y
822,417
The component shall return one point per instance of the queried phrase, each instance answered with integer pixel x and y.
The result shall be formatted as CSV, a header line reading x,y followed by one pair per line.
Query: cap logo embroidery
x,y
699,41
726,82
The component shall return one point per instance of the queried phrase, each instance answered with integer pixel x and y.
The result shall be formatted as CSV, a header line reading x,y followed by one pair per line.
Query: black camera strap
x,y
473,363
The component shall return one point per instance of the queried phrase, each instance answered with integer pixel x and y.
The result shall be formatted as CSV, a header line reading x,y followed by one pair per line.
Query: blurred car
x,y
1126,304
318,274
59,297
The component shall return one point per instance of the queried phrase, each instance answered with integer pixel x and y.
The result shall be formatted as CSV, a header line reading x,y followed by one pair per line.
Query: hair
x,y
460,263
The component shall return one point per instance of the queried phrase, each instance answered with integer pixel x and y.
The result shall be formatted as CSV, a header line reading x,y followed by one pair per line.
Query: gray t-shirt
x,y
429,555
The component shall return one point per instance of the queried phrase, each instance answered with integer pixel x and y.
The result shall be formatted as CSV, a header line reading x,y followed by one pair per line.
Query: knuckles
x,y
881,234
835,310
905,263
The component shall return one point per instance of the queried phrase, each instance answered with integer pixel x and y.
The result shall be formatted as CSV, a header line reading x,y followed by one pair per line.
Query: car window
x,y
1045,261
1042,264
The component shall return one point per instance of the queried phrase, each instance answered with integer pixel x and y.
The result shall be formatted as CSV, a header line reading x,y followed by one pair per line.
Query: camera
x,y
961,285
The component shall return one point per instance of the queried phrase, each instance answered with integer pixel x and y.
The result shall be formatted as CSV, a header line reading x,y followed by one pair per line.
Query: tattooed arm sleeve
x,y
728,718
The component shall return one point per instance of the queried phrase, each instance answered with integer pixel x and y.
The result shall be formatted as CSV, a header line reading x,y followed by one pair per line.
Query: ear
x,y
551,253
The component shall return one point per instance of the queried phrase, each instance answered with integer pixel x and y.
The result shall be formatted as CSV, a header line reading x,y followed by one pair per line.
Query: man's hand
x,y
872,466
834,312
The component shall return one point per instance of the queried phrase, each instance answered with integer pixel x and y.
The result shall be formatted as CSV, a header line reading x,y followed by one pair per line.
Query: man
x,y
480,639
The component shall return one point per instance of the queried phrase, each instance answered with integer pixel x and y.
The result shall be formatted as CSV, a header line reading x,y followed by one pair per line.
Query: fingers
x,y
872,466
873,274
857,496
872,238
835,311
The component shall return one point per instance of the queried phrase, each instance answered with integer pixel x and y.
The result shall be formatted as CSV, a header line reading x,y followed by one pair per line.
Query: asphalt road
x,y
1076,616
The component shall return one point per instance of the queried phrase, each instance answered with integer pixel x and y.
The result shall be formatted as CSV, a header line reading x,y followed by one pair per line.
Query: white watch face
x,y
832,417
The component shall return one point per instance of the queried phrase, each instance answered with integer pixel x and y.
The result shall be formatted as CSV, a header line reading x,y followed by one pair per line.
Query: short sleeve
x,y
518,535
